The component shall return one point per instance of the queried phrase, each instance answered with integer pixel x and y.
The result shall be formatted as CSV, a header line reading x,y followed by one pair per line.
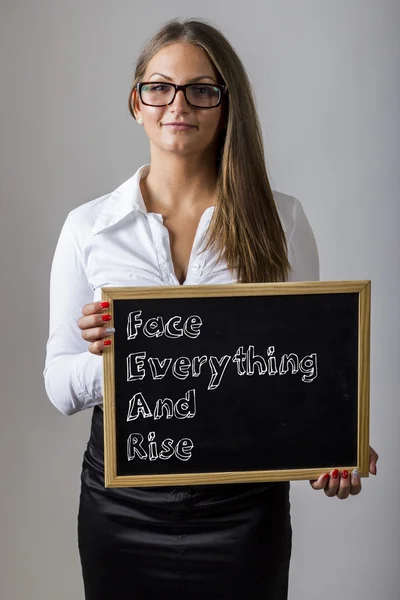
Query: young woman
x,y
202,212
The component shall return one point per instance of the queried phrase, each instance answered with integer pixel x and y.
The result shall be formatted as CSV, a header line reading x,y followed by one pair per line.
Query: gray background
x,y
327,80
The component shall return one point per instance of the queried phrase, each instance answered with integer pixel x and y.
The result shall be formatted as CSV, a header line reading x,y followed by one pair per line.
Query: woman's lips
x,y
178,127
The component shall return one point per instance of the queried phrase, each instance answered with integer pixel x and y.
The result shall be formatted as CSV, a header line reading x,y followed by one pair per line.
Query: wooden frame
x,y
362,288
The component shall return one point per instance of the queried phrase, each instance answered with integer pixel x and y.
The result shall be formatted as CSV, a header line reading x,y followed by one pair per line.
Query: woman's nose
x,y
180,100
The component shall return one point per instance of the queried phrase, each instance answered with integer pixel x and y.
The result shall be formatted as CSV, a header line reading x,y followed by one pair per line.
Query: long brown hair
x,y
245,229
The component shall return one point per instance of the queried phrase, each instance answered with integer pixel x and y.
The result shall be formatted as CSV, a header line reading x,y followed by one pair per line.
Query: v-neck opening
x,y
196,240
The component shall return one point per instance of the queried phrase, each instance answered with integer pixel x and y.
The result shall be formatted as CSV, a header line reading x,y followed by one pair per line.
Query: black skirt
x,y
203,542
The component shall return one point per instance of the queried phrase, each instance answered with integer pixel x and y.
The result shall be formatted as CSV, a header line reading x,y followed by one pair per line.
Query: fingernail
x,y
104,304
106,317
109,330
107,343
326,476
355,473
335,474
345,474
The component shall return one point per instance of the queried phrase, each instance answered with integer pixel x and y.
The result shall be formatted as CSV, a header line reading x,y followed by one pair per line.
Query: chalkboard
x,y
229,383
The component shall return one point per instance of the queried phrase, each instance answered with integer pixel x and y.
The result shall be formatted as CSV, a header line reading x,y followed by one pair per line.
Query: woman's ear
x,y
135,105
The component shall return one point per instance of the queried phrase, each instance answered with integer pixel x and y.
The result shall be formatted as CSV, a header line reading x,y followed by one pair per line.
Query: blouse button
x,y
196,267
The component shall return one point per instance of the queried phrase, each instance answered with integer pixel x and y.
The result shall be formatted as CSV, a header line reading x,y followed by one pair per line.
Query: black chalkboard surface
x,y
230,383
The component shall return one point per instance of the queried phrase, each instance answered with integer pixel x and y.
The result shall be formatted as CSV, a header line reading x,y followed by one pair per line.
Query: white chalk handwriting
x,y
247,364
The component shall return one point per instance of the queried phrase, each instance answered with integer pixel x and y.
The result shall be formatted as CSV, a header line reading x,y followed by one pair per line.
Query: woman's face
x,y
180,63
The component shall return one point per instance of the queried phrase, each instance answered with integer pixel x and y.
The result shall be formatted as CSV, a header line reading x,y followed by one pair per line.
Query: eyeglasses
x,y
198,95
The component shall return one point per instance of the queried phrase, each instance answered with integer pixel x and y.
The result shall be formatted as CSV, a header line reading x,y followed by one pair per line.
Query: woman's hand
x,y
95,326
344,484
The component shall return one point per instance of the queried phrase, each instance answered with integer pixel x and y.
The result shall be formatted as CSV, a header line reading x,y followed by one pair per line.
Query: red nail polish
x,y
107,343
104,304
345,474
106,317
335,474
326,477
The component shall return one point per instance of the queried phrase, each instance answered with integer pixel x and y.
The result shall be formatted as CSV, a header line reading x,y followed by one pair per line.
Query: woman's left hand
x,y
344,484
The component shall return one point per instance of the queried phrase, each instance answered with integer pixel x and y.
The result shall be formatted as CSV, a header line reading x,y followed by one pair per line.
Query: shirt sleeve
x,y
302,248
73,376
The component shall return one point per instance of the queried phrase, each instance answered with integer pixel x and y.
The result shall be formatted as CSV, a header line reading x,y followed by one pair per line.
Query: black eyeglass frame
x,y
222,88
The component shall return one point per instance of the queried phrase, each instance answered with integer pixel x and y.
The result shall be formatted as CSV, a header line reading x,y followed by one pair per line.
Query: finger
x,y
99,346
355,483
344,486
333,485
93,320
97,333
321,482
95,307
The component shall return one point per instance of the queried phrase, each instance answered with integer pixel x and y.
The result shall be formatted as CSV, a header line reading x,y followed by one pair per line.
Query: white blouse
x,y
114,241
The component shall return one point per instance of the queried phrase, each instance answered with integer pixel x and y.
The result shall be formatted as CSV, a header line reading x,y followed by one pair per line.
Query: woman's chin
x,y
178,147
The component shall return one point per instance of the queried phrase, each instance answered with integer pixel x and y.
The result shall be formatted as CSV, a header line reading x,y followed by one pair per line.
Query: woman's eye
x,y
202,90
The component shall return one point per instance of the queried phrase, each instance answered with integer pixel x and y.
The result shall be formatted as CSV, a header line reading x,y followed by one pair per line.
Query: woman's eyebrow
x,y
190,80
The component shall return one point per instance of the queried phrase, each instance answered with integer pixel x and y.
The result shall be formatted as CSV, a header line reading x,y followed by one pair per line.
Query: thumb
x,y
373,459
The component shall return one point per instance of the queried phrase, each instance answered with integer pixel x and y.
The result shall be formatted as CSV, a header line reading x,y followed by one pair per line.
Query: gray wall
x,y
327,79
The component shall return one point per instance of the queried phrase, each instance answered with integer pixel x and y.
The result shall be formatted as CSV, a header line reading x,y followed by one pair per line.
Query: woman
x,y
201,212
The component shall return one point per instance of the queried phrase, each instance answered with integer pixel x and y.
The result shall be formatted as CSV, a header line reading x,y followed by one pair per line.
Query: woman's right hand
x,y
95,327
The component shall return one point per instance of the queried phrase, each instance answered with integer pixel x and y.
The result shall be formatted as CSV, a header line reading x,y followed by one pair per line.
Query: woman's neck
x,y
179,183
